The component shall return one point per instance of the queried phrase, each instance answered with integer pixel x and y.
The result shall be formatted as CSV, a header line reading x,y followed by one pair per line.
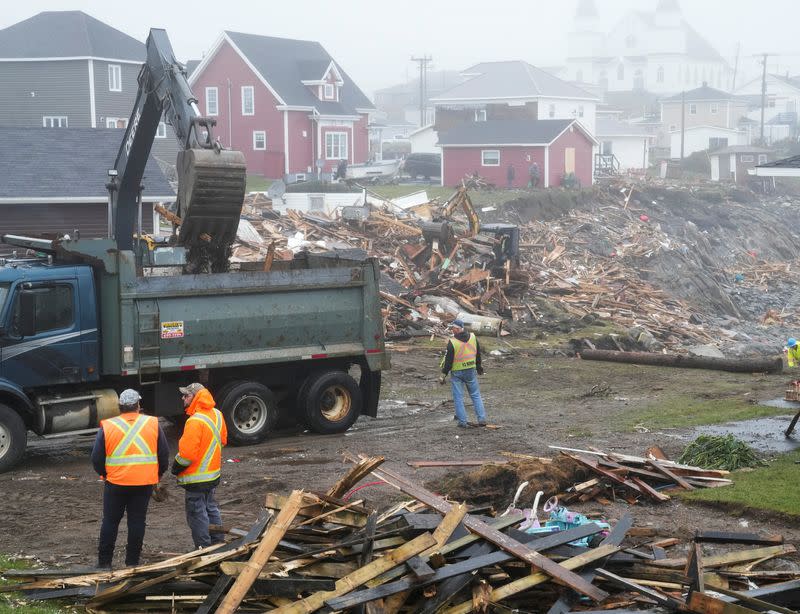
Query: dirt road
x,y
51,504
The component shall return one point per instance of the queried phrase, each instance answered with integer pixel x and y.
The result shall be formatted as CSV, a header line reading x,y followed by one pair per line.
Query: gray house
x,y
66,69
53,182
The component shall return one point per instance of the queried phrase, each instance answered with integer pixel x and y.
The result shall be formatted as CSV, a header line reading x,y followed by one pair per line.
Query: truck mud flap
x,y
370,385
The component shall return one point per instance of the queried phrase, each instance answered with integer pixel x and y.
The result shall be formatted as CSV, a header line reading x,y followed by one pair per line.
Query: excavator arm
x,y
211,180
461,199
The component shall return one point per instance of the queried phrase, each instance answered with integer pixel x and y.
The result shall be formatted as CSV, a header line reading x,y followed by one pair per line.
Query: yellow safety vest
x,y
793,356
464,353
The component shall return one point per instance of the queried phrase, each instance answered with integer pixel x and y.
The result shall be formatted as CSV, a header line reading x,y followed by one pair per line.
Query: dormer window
x,y
329,91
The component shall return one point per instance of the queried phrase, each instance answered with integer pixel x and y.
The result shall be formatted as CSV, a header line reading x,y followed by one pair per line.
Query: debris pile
x,y
310,553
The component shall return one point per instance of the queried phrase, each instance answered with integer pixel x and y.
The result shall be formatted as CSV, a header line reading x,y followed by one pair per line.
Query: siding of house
x,y
698,139
301,143
464,161
583,157
728,114
43,219
361,139
633,152
114,104
450,116
585,111
227,64
31,90
330,164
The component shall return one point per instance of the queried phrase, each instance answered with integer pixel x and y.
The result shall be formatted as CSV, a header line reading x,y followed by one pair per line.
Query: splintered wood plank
x,y
700,603
493,535
670,474
731,558
726,537
262,553
361,575
362,469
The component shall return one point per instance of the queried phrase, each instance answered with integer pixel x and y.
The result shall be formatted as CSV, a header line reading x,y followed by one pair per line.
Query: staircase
x,y
605,165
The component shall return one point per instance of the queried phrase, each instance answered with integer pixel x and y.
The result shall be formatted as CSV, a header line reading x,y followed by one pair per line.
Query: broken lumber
x,y
749,365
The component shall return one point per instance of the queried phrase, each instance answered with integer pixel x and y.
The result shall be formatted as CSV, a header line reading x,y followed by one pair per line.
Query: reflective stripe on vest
x,y
131,435
202,474
464,353
794,356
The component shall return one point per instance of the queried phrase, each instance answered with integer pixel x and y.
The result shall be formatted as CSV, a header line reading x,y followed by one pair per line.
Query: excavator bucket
x,y
211,186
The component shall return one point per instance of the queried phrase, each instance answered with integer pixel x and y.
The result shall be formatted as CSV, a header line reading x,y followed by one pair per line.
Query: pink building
x,y
284,103
490,148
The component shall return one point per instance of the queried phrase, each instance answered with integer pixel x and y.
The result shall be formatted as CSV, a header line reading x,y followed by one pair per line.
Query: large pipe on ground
x,y
737,365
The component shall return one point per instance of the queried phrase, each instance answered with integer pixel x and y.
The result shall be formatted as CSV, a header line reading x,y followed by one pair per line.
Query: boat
x,y
374,172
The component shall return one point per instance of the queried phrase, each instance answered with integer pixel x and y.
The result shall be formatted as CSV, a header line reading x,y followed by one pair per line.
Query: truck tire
x,y
250,412
13,437
331,402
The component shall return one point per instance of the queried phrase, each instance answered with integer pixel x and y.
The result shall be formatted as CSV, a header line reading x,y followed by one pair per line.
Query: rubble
x,y
330,552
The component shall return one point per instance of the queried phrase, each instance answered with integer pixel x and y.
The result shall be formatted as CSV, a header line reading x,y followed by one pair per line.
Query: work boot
x,y
482,423
462,425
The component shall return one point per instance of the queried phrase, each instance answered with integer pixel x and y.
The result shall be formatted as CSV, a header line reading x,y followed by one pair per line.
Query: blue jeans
x,y
202,510
469,378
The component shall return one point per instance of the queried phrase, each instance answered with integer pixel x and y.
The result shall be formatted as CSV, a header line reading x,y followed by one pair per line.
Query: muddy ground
x,y
50,505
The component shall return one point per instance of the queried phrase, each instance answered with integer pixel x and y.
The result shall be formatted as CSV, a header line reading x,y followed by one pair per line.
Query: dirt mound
x,y
496,484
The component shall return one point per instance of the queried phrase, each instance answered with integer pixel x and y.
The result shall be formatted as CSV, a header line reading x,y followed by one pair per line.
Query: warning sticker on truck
x,y
172,330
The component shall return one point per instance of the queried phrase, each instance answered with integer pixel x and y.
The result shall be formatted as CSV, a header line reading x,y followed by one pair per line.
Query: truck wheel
x,y
332,402
250,412
13,437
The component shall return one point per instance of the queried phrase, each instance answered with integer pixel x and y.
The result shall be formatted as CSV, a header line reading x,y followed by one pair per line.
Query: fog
x,y
374,40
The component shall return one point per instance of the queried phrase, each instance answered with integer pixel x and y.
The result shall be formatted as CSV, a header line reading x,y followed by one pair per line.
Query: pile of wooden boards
x,y
633,477
311,553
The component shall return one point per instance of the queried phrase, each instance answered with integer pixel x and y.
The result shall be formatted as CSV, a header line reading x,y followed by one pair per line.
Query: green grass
x,y
772,488
13,602
683,411
257,183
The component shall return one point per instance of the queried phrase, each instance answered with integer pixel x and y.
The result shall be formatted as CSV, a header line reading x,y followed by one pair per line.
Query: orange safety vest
x,y
200,446
464,353
131,449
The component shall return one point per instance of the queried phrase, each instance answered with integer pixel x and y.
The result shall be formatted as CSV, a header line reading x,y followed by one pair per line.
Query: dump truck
x,y
82,319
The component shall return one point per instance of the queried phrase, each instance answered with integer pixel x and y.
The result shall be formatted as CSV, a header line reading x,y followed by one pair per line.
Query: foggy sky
x,y
373,40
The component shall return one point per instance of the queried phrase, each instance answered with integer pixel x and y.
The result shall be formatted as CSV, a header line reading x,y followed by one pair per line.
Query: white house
x,y
655,50
782,105
423,140
703,138
628,143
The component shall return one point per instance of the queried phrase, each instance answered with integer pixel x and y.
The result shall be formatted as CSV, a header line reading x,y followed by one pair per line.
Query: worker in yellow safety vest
x,y
463,361
792,350
198,463
131,454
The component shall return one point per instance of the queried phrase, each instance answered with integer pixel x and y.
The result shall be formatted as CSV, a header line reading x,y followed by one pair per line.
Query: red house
x,y
284,103
490,148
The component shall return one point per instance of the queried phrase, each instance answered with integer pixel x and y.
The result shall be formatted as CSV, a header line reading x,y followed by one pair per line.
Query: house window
x,y
603,81
212,101
638,79
673,127
116,122
717,143
161,133
551,111
336,146
480,115
248,100
580,110
490,157
692,109
54,121
620,72
114,78
607,148
762,158
747,158
259,139
317,202
328,91
714,108
771,101
660,74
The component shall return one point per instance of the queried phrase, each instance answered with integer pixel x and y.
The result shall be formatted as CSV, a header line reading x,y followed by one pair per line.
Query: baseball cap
x,y
191,389
459,323
129,397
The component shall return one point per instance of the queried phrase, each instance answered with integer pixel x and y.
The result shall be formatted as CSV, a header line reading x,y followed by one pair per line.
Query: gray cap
x,y
129,397
191,389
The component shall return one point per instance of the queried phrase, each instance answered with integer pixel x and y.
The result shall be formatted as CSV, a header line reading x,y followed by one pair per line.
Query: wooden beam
x,y
493,535
753,601
362,469
731,558
671,475
661,599
706,604
262,553
726,537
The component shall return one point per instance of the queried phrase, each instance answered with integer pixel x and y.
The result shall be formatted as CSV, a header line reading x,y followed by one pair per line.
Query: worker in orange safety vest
x,y
198,463
463,361
131,454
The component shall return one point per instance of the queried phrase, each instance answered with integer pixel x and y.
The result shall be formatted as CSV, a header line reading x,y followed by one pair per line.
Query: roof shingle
x,y
505,132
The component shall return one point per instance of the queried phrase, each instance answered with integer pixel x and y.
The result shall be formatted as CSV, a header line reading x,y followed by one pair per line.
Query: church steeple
x,y
668,6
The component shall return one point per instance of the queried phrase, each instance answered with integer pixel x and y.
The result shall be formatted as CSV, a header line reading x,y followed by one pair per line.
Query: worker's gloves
x,y
441,380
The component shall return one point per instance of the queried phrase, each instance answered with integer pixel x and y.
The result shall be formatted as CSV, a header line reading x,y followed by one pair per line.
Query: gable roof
x,y
613,127
76,159
508,132
740,149
512,79
793,162
284,63
68,34
701,94
791,81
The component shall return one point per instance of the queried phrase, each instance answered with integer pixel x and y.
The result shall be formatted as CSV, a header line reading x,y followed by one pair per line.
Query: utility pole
x,y
423,85
683,121
736,67
763,96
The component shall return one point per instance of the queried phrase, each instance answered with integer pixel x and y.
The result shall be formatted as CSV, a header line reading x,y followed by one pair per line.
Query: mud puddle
x,y
763,434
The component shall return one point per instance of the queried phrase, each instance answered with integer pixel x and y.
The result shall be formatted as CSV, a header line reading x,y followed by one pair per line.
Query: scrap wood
x,y
362,469
702,603
757,604
721,560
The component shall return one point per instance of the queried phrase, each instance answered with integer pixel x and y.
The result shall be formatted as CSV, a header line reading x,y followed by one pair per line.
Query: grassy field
x,y
684,412
256,183
13,602
772,488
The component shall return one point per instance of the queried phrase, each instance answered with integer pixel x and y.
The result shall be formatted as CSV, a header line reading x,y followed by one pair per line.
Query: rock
x,y
709,351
